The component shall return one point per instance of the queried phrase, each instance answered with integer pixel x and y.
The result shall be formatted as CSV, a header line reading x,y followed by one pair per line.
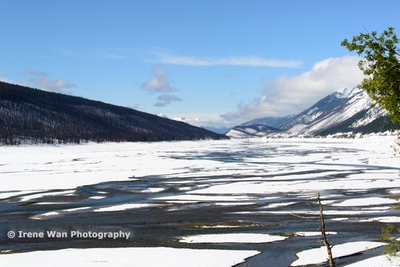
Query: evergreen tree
x,y
381,65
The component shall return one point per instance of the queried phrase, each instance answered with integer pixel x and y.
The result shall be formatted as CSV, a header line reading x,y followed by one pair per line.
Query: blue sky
x,y
213,62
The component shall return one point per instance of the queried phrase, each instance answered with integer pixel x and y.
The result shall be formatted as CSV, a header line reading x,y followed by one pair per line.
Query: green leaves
x,y
381,65
393,246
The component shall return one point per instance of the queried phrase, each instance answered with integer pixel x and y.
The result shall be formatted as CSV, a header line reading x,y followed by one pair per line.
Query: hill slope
x,y
40,116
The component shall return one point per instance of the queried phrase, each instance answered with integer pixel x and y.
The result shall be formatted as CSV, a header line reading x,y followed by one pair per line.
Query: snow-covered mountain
x,y
329,112
258,130
346,110
275,122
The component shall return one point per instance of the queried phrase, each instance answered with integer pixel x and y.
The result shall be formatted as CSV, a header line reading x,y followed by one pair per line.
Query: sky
x,y
212,62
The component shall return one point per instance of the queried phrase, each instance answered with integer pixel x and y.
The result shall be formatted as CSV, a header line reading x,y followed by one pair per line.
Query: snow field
x,y
272,175
124,257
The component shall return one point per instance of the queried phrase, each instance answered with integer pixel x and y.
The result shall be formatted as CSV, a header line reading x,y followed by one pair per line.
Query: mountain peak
x,y
347,92
346,110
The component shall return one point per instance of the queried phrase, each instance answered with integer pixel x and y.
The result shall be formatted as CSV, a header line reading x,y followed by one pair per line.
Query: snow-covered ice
x,y
266,185
378,261
123,207
232,238
320,255
314,233
122,257
368,201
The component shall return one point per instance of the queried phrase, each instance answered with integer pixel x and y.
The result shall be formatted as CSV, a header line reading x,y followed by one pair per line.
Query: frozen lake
x,y
251,198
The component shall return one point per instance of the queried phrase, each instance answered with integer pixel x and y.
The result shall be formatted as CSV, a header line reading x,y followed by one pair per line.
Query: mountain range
x,y
36,116
349,110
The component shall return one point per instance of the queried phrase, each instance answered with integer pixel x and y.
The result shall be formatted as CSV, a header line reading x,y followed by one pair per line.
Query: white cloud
x,y
42,79
164,100
290,95
160,84
4,79
253,61
160,81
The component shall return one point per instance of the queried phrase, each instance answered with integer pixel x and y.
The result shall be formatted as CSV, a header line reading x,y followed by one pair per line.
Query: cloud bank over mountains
x,y
289,95
283,96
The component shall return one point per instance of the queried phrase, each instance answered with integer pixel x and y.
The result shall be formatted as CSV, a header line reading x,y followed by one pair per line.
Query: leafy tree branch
x,y
381,65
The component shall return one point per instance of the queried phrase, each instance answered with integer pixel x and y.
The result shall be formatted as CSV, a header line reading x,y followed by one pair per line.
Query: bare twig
x,y
324,239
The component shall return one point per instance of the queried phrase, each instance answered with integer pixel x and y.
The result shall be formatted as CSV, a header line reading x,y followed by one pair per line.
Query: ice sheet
x,y
123,207
320,255
122,257
256,177
232,238
378,261
366,202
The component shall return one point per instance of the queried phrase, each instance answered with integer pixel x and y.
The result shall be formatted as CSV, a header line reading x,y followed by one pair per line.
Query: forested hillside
x,y
32,115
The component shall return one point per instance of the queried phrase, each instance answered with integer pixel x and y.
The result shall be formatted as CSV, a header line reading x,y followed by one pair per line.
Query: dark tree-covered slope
x,y
41,116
